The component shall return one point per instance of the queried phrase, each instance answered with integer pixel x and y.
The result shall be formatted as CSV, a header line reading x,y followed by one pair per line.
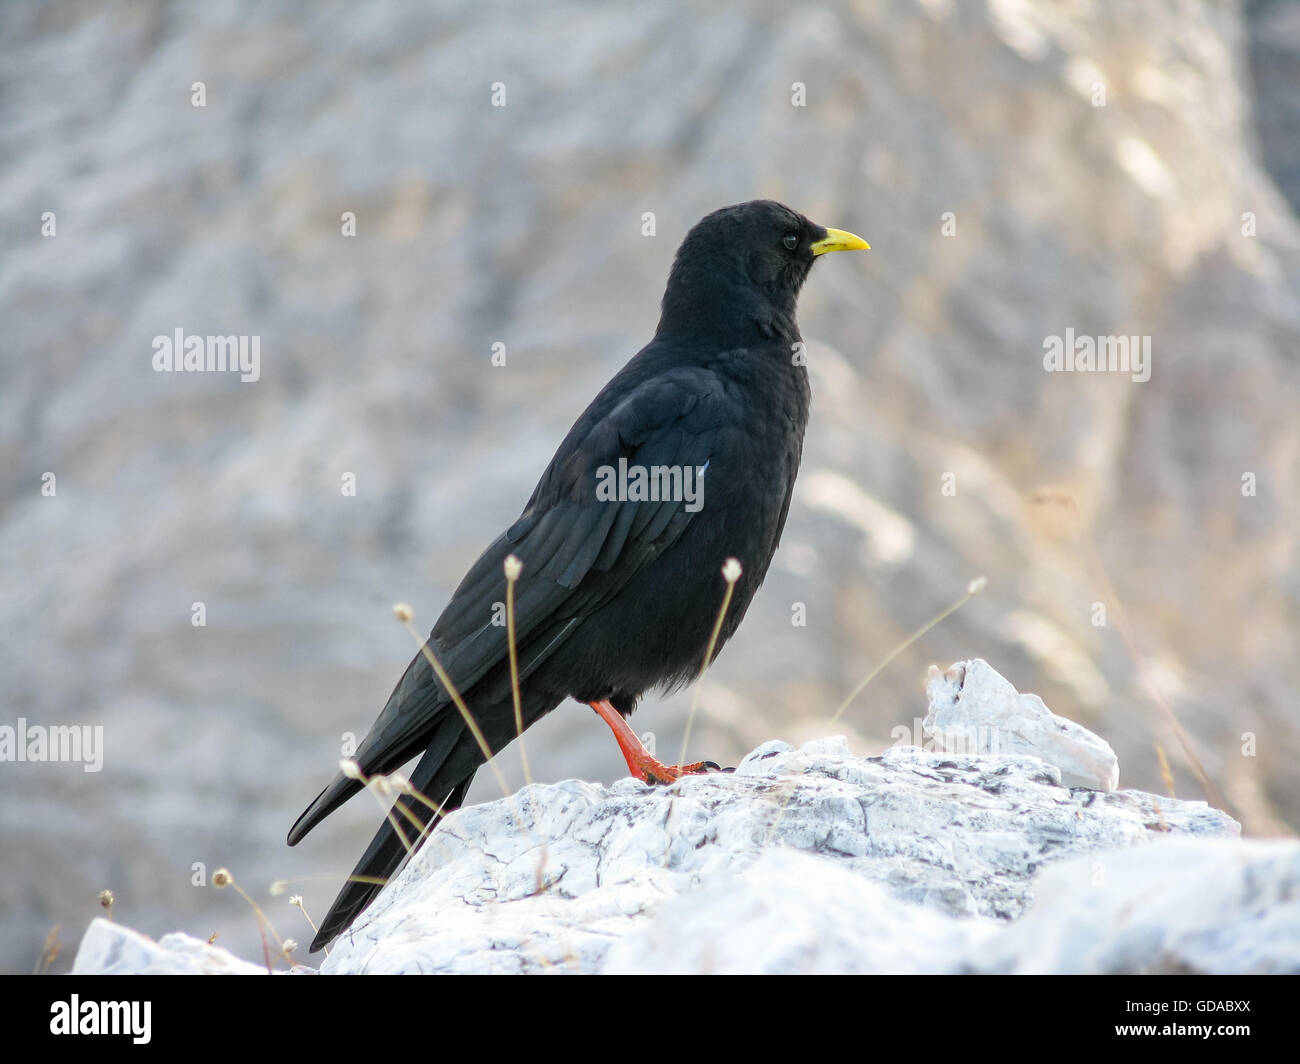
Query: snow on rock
x,y
975,710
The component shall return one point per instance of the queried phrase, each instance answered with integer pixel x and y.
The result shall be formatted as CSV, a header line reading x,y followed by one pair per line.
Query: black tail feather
x,y
443,774
339,791
387,851
444,738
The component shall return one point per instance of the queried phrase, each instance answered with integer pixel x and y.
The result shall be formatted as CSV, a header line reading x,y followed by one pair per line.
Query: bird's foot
x,y
652,771
640,762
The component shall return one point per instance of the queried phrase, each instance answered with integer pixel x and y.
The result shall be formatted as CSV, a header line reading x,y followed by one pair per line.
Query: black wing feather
x,y
577,552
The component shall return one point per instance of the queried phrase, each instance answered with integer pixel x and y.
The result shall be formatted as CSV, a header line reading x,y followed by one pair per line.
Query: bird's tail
x,y
388,849
339,791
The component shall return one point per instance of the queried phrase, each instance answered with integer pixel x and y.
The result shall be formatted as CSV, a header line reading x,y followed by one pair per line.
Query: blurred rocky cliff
x,y
1020,168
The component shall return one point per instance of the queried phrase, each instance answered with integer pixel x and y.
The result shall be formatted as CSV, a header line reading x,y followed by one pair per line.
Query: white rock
x,y
814,860
793,913
1183,905
111,949
954,836
975,710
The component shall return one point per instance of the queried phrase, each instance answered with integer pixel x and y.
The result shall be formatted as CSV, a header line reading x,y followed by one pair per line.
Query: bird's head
x,y
741,268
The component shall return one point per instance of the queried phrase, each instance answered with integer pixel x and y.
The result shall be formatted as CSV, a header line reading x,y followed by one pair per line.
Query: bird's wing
x,y
577,550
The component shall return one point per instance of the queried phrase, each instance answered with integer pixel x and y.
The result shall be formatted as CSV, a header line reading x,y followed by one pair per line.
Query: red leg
x,y
639,761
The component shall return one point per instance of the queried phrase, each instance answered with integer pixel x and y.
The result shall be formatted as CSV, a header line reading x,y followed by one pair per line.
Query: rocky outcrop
x,y
577,877
815,860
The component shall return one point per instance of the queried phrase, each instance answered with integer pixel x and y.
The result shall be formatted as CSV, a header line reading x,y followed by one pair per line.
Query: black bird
x,y
619,589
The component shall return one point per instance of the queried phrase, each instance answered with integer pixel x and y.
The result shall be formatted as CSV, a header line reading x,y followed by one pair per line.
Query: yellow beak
x,y
839,240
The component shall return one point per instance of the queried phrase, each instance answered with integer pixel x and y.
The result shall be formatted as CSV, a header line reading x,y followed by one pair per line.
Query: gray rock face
x,y
523,225
1274,49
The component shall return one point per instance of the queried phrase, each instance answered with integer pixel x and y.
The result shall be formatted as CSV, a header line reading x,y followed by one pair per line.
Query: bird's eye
x,y
791,241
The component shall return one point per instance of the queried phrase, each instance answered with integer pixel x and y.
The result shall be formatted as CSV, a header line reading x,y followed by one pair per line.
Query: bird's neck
x,y
730,316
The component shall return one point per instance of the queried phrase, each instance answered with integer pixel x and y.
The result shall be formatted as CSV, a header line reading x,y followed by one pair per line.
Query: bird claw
x,y
665,774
